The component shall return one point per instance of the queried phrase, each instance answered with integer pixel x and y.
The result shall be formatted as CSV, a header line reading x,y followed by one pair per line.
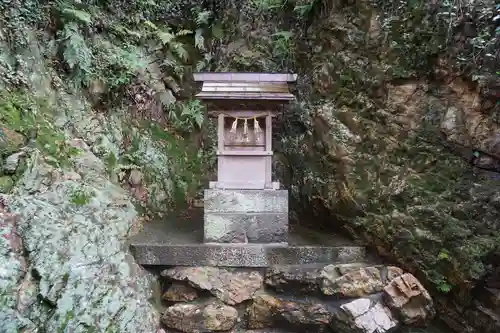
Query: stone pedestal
x,y
246,216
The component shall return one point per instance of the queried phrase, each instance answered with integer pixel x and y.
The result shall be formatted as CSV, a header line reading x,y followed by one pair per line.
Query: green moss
x,y
6,184
80,197
111,162
68,317
187,163
33,118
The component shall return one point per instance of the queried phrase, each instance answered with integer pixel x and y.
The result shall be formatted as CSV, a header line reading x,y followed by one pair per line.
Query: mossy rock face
x,y
368,148
6,184
10,140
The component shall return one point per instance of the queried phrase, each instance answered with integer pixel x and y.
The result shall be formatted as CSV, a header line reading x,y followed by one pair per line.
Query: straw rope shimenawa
x,y
256,126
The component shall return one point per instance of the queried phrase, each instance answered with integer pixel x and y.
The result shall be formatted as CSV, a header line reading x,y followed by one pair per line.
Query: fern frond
x,y
165,37
169,62
179,50
151,25
183,32
203,17
207,58
199,40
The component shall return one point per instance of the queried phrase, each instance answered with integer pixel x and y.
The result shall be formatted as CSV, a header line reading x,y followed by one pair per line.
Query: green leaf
x,y
217,31
283,34
199,118
180,51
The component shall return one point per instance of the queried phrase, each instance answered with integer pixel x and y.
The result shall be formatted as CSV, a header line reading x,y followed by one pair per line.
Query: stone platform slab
x,y
178,241
242,255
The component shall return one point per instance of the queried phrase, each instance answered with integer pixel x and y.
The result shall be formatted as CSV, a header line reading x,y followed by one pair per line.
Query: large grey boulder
x,y
72,272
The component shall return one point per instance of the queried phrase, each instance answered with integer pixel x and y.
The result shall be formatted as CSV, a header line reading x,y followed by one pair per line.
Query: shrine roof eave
x,y
242,104
244,77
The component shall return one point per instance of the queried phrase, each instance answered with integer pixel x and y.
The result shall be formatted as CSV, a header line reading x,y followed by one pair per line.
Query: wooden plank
x,y
244,153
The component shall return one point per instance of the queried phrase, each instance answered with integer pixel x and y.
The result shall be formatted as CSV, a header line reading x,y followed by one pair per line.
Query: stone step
x,y
245,227
245,201
243,255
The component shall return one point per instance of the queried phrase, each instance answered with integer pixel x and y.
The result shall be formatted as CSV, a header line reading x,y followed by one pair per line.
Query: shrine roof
x,y
245,86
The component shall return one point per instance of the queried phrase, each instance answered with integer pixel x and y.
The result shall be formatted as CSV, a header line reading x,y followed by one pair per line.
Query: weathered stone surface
x,y
232,287
267,310
179,292
294,278
10,140
190,318
76,253
245,227
345,280
12,162
135,178
263,310
241,255
355,283
363,316
308,314
186,318
12,271
406,296
218,317
246,201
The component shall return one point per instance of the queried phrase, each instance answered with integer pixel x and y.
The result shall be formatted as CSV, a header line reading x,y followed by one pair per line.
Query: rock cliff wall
x,y
396,124
395,136
86,158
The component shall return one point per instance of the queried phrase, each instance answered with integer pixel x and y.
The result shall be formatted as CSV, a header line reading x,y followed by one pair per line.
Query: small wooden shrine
x,y
245,213
244,104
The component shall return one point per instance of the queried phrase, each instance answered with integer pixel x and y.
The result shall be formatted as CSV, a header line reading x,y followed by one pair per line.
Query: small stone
x,y
180,293
355,283
286,278
261,312
406,296
266,310
135,178
219,317
393,272
307,314
12,162
363,316
183,317
6,184
228,286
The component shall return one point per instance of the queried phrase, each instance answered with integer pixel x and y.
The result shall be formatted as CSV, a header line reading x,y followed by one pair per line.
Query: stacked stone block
x,y
246,216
